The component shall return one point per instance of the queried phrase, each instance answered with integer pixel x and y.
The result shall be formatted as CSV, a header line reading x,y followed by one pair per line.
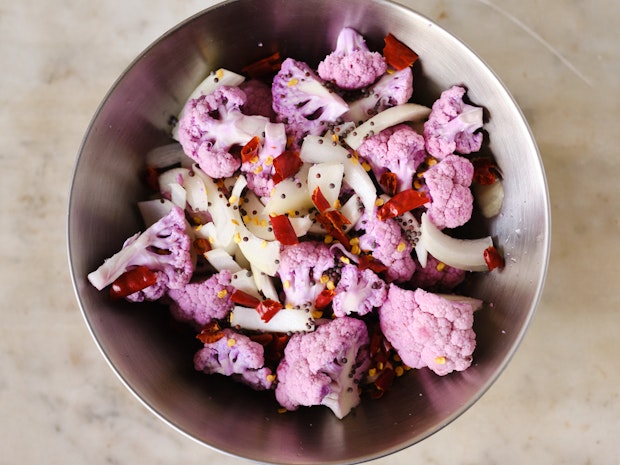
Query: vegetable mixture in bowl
x,y
301,215
322,230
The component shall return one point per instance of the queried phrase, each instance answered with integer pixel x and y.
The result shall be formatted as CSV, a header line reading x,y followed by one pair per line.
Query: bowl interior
x,y
153,356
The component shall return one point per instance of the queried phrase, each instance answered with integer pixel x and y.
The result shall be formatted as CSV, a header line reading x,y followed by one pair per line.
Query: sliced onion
x,y
196,191
301,224
257,223
178,195
154,210
317,149
464,254
220,212
385,119
241,259
489,198
237,190
222,260
290,194
244,281
353,210
167,155
262,254
476,304
264,283
421,254
328,177
285,321
172,176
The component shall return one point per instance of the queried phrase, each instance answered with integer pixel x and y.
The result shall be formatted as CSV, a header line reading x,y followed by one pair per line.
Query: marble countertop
x,y
557,402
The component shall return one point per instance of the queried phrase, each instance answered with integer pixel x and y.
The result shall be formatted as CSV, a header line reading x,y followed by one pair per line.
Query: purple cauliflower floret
x,y
451,127
392,89
436,275
259,171
388,244
352,65
302,102
165,248
212,125
153,292
427,330
324,367
200,302
301,268
358,291
258,99
447,184
398,149
237,356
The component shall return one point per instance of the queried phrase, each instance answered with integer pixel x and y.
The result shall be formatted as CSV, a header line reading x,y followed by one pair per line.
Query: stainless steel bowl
x,y
154,359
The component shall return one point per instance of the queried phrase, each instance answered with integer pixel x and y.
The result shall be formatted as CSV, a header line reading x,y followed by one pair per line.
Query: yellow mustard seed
x,y
219,73
263,244
246,219
263,223
271,378
372,372
440,266
269,161
282,410
344,259
328,239
231,342
354,241
379,202
366,166
355,249
317,314
293,82
233,199
330,285
258,169
399,371
286,284
289,306
430,161
401,247
417,184
237,238
440,360
324,279
337,204
235,222
223,293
